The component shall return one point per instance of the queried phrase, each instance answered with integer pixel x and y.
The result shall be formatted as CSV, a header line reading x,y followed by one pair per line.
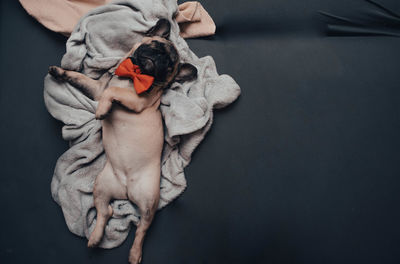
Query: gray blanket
x,y
99,41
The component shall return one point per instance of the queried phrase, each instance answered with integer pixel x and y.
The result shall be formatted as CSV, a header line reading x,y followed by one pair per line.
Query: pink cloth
x,y
62,15
194,21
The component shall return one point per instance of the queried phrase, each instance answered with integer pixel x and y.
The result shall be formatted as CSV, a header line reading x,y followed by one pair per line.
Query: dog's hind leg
x,y
106,188
145,194
90,87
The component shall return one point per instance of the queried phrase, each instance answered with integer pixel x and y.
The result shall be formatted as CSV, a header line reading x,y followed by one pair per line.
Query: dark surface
x,y
303,168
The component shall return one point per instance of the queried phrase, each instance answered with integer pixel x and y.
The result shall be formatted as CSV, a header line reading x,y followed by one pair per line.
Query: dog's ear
x,y
161,29
186,73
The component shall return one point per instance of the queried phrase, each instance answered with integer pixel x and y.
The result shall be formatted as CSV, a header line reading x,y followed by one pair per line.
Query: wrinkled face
x,y
158,57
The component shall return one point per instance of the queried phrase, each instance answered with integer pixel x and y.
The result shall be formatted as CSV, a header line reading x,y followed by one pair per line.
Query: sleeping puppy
x,y
132,130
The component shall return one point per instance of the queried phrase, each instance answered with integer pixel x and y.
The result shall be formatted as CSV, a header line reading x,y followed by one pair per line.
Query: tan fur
x,y
133,141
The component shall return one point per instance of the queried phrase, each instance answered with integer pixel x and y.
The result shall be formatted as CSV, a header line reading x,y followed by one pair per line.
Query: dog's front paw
x,y
58,73
103,109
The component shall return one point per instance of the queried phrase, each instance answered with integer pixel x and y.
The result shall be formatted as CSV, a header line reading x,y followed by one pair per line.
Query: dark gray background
x,y
303,168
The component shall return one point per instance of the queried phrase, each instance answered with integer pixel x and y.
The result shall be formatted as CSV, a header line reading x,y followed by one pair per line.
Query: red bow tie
x,y
141,82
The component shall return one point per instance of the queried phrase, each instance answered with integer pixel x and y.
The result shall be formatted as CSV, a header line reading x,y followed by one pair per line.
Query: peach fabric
x,y
62,15
194,21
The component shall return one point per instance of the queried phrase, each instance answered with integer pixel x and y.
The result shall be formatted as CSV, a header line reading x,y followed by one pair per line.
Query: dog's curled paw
x,y
100,117
103,108
58,73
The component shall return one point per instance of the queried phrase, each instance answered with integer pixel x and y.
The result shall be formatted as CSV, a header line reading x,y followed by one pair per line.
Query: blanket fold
x,y
100,40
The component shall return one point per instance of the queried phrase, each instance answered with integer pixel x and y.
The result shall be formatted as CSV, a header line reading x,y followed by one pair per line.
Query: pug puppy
x,y
132,130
